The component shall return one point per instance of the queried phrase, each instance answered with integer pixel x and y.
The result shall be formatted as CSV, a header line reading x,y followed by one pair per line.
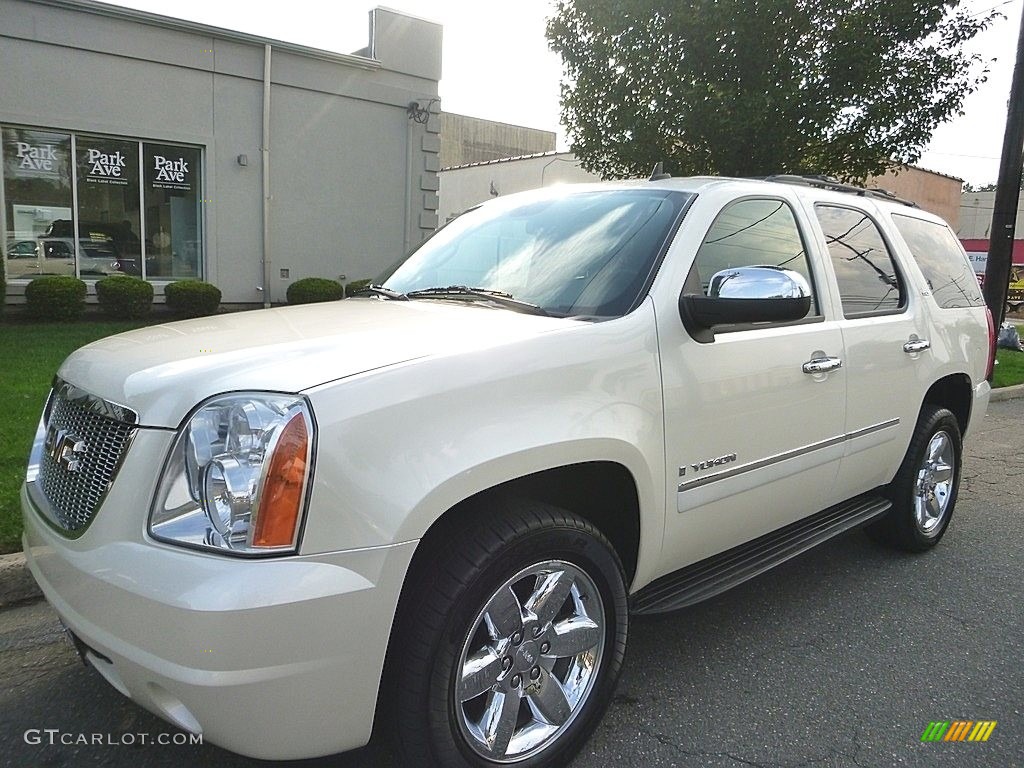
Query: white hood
x,y
163,371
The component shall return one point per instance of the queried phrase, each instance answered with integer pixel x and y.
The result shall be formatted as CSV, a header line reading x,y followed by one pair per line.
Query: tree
x,y
756,87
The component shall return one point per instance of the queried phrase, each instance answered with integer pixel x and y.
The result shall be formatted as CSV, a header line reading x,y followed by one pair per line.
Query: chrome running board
x,y
728,569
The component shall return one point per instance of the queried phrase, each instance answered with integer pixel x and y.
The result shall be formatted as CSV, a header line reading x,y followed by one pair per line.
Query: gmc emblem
x,y
65,449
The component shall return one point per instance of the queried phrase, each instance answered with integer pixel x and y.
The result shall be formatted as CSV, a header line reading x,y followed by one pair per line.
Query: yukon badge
x,y
708,463
65,449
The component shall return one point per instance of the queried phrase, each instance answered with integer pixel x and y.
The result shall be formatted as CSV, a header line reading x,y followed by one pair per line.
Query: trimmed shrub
x,y
356,285
124,297
192,298
3,293
309,290
55,297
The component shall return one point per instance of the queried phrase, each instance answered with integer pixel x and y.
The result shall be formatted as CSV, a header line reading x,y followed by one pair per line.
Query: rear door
x,y
885,335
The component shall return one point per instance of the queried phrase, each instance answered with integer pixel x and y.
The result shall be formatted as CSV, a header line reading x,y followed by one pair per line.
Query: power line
x,y
989,10
957,154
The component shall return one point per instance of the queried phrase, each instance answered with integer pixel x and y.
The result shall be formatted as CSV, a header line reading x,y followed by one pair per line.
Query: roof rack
x,y
834,185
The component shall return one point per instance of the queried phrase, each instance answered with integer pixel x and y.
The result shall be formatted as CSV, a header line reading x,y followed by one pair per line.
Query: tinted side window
x,y
867,277
938,254
753,233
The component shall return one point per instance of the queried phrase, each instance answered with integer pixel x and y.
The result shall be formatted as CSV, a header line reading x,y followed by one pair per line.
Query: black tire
x,y
905,526
442,618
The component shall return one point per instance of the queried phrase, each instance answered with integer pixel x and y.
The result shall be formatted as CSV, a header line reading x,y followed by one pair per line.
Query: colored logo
x,y
959,730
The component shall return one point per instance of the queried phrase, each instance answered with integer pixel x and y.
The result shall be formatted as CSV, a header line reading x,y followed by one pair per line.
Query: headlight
x,y
236,477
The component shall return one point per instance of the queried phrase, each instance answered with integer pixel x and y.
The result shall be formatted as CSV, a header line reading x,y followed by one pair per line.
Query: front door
x,y
753,441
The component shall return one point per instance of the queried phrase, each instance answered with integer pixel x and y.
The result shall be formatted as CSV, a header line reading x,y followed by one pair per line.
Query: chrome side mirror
x,y
761,282
744,295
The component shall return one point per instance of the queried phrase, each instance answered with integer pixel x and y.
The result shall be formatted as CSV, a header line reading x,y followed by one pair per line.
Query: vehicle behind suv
x,y
436,505
56,256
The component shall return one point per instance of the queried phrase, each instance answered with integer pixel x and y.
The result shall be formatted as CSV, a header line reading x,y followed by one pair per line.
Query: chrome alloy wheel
x,y
530,661
934,484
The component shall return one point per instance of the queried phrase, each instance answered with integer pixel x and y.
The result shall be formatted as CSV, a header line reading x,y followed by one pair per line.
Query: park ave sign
x,y
37,158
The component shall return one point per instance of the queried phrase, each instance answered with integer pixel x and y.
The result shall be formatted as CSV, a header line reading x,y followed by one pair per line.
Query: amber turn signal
x,y
283,487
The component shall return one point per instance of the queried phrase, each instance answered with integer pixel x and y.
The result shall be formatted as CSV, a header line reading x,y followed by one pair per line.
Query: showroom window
x,y
37,192
108,205
121,207
174,245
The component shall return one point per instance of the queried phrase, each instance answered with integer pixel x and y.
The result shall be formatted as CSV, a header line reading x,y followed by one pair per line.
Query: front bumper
x,y
276,658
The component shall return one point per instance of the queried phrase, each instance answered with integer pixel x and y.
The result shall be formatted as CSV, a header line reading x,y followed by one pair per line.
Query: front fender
x,y
505,469
400,446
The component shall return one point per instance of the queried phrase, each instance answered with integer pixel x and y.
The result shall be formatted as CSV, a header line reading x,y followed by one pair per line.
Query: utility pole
x,y
1004,217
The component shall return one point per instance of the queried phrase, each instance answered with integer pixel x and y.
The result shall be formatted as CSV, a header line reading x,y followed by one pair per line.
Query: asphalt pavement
x,y
841,657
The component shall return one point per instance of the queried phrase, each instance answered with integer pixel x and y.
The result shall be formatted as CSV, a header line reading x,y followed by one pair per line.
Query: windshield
x,y
570,253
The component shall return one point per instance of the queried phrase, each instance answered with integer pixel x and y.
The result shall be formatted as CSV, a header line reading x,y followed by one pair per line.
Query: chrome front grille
x,y
86,440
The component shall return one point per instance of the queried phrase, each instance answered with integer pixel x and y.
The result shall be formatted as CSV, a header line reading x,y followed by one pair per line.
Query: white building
x,y
139,143
976,215
464,186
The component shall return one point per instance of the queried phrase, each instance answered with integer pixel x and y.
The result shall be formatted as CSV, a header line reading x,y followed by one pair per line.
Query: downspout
x,y
265,153
410,172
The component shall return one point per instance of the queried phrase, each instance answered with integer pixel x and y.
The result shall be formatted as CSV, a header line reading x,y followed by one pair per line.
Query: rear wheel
x,y
924,491
512,643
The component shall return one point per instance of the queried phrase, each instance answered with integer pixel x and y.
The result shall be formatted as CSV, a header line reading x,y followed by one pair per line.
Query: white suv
x,y
438,504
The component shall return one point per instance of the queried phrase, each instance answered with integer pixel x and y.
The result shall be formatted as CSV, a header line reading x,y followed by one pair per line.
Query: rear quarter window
x,y
942,262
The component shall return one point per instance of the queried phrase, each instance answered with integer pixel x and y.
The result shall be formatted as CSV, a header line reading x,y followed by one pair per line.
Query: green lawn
x,y
31,354
1010,370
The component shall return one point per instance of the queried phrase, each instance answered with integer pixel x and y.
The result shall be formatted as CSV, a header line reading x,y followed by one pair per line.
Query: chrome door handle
x,y
916,345
822,365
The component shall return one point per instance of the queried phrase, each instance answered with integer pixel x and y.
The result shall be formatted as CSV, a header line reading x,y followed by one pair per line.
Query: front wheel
x,y
512,644
925,488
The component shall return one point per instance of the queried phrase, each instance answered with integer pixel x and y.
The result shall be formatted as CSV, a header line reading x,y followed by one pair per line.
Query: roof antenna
x,y
659,172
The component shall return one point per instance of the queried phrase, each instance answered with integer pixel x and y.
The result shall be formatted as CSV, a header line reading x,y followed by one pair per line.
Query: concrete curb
x,y
16,582
1007,393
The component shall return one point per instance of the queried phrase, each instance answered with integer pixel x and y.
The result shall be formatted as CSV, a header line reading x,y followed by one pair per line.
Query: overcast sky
x,y
497,65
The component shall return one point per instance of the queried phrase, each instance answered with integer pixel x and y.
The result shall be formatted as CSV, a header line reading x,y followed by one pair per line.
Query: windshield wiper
x,y
380,290
498,297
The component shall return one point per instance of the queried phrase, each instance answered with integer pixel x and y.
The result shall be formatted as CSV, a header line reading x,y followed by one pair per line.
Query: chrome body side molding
x,y
697,482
